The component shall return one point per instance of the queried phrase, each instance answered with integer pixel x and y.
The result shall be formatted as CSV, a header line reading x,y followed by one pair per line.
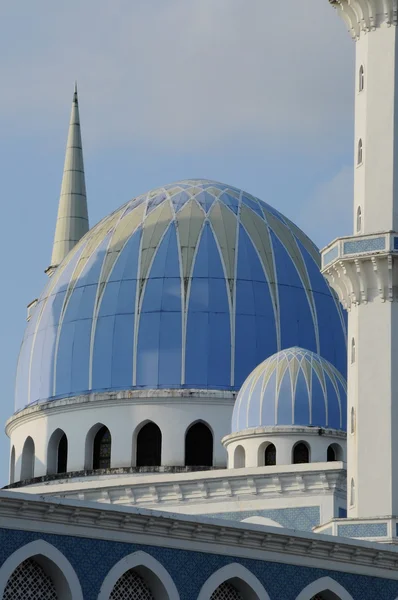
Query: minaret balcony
x,y
362,268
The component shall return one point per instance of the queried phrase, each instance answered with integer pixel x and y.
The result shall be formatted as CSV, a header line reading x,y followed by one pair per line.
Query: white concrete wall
x,y
123,418
376,124
254,442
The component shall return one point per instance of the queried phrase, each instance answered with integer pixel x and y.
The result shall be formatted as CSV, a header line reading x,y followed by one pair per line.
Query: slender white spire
x,y
72,220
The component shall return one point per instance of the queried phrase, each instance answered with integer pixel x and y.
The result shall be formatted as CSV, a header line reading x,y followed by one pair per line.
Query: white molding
x,y
120,398
253,590
83,519
167,489
68,589
163,589
322,585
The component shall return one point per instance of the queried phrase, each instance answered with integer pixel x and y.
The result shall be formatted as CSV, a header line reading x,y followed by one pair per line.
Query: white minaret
x,y
363,270
72,220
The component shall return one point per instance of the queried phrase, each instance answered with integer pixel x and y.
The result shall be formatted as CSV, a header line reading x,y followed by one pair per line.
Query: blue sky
x,y
251,93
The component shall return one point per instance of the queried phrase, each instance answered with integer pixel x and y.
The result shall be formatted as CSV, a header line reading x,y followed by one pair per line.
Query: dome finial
x,y
72,220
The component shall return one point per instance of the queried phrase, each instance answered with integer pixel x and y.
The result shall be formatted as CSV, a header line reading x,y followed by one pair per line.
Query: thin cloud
x,y
179,74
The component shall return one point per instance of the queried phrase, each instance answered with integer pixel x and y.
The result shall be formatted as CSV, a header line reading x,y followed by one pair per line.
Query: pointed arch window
x,y
102,449
359,219
352,493
270,456
352,425
29,580
361,79
149,446
199,446
301,454
353,351
360,152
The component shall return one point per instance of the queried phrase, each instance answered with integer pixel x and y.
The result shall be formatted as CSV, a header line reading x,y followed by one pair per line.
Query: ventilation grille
x,y
29,581
131,587
226,591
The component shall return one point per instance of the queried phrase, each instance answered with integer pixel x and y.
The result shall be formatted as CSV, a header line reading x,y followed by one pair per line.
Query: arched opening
x,y
38,570
149,446
102,449
226,591
131,585
199,446
361,79
239,457
28,459
29,580
359,219
233,582
360,152
301,453
270,456
352,425
57,453
352,493
325,588
353,352
139,576
12,465
335,452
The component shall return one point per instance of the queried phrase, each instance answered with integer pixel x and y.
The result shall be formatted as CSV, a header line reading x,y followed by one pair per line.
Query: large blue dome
x,y
292,387
188,286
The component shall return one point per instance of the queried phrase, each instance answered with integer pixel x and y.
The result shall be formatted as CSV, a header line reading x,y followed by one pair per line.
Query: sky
x,y
255,94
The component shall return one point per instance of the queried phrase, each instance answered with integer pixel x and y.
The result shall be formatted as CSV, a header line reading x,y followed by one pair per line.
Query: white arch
x,y
325,584
54,563
240,577
162,586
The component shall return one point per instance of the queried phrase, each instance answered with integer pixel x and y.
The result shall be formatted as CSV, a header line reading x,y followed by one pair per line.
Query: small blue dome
x,y
292,387
190,285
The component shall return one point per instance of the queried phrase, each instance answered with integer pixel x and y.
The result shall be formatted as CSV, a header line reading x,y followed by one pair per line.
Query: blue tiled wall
x,y
92,559
303,518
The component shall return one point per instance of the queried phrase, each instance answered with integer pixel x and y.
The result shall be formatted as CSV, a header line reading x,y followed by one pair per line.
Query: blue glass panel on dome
x,y
268,408
134,203
148,350
81,355
285,404
333,405
126,297
230,201
253,205
170,349
208,294
102,353
122,351
273,211
197,344
254,408
301,401
127,263
64,360
205,200
109,300
180,200
318,403
297,324
255,334
154,202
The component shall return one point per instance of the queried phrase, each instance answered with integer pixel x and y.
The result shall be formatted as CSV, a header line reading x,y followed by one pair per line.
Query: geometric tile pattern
x,y
191,285
92,559
30,582
131,586
226,591
292,387
369,245
363,530
302,519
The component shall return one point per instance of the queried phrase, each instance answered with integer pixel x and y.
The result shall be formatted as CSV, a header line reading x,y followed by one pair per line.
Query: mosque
x,y
206,406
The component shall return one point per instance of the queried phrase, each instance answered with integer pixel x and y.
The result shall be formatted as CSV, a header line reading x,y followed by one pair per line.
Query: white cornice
x,y
120,398
270,431
265,483
362,16
76,518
